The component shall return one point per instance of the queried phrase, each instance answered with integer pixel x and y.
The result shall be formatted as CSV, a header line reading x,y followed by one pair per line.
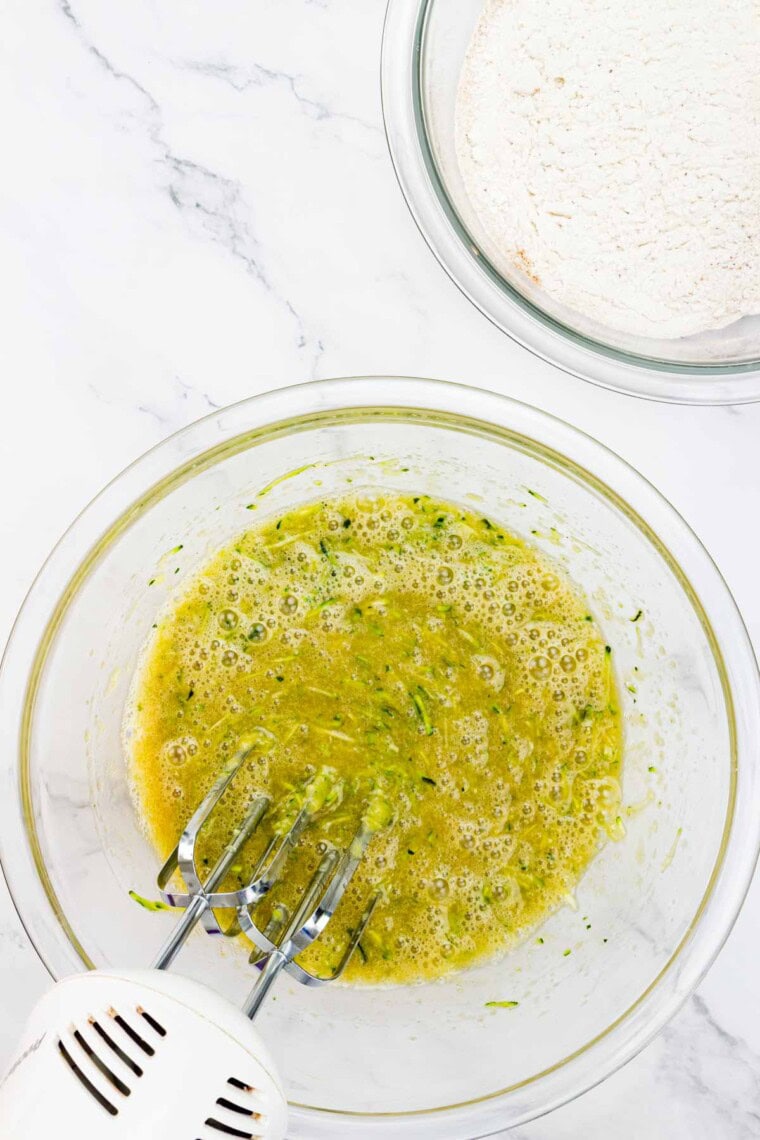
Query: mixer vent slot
x,y
235,1117
151,1021
85,1081
240,1085
228,1130
109,1074
117,1049
132,1033
102,1055
224,1103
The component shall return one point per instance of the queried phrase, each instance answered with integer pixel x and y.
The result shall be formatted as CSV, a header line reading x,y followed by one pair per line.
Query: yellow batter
x,y
416,658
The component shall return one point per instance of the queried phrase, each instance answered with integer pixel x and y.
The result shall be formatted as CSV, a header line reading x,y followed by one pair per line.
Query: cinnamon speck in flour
x,y
611,152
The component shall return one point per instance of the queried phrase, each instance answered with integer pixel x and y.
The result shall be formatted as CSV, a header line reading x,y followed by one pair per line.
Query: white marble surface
x,y
197,205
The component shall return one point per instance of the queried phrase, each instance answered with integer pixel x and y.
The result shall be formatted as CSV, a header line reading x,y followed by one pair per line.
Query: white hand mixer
x,y
108,1055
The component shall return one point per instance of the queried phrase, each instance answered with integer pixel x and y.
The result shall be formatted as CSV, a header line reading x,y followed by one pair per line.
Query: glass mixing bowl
x,y
653,909
424,43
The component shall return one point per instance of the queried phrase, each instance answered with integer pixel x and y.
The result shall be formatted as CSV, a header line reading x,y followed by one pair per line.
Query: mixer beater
x,y
111,1048
285,935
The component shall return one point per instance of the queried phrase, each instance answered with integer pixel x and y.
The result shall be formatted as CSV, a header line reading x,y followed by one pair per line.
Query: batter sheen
x,y
421,665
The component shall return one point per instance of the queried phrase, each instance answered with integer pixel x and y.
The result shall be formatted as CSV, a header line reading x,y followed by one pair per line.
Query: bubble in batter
x,y
447,678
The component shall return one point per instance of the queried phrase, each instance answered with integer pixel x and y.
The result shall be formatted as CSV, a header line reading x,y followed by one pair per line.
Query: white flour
x,y
610,149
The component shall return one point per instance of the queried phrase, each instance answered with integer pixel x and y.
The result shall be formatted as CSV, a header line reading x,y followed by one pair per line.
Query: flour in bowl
x,y
610,150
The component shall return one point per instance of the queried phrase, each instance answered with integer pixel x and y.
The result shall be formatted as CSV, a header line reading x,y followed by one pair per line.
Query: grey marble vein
x,y
12,936
210,204
256,75
169,419
705,1064
180,404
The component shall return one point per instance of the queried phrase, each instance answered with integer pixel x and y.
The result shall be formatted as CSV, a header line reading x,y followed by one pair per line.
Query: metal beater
x,y
286,934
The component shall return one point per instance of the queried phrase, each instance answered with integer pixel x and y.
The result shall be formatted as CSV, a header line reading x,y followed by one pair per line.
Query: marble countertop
x,y
198,205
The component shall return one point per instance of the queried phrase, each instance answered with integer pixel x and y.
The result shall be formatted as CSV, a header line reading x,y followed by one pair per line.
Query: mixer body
x,y
117,1055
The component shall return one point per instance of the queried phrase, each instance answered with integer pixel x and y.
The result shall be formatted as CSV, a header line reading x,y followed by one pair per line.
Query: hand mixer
x,y
143,1053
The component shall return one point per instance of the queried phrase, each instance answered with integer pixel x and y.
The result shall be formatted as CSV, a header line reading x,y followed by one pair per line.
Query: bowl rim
x,y
303,404
457,252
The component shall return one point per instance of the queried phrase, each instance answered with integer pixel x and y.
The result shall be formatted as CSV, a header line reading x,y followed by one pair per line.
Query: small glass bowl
x,y
424,44
431,1062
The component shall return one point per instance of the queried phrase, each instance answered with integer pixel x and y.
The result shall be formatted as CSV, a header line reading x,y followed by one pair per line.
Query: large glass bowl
x,y
429,1061
424,43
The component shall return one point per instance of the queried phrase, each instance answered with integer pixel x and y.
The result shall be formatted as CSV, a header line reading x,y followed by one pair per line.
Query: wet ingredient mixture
x,y
425,669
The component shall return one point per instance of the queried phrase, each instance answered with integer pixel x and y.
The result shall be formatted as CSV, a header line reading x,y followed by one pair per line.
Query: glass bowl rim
x,y
424,190
457,407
